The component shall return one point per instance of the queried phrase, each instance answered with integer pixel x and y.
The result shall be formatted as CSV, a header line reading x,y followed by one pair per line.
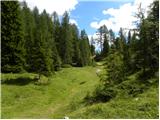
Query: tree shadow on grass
x,y
18,81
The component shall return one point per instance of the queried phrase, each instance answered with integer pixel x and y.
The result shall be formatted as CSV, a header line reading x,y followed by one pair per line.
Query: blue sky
x,y
87,12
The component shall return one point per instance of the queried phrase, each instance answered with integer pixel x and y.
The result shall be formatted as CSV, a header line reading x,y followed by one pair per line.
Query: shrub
x,y
101,94
132,88
104,94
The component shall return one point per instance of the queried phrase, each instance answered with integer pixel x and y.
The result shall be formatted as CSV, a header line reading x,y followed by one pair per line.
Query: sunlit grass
x,y
64,96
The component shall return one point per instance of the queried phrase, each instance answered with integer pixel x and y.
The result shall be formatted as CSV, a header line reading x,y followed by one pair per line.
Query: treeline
x,y
137,52
39,42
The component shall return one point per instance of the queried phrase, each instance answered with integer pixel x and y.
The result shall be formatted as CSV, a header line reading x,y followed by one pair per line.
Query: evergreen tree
x,y
66,43
42,52
124,50
35,57
133,52
143,52
56,31
115,69
105,50
52,44
12,37
153,34
45,38
28,28
76,49
38,43
85,49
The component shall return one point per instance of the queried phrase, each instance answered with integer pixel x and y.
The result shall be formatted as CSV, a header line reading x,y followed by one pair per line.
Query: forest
x,y
50,68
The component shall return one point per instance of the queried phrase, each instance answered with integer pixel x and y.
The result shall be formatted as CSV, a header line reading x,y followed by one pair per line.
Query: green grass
x,y
141,106
145,107
64,96
66,87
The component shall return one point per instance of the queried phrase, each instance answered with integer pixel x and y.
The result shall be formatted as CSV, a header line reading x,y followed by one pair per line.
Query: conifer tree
x,y
12,41
66,43
85,49
105,46
28,28
153,35
76,49
56,31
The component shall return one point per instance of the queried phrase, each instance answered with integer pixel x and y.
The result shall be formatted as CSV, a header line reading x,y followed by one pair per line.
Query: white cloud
x,y
94,25
73,21
60,6
122,17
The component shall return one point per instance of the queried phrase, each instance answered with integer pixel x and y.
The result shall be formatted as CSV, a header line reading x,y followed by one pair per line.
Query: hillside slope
x,y
64,96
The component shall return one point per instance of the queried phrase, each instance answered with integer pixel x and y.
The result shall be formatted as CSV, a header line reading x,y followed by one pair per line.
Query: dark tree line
x,y
39,42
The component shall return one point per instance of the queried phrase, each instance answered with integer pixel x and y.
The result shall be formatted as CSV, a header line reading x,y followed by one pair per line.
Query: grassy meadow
x,y
64,90
63,95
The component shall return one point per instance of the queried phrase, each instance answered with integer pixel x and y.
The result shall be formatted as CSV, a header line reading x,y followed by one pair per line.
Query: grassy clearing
x,y
66,88
64,96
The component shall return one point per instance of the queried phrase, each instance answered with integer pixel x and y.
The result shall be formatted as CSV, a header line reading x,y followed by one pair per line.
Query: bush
x,y
101,94
104,94
132,88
